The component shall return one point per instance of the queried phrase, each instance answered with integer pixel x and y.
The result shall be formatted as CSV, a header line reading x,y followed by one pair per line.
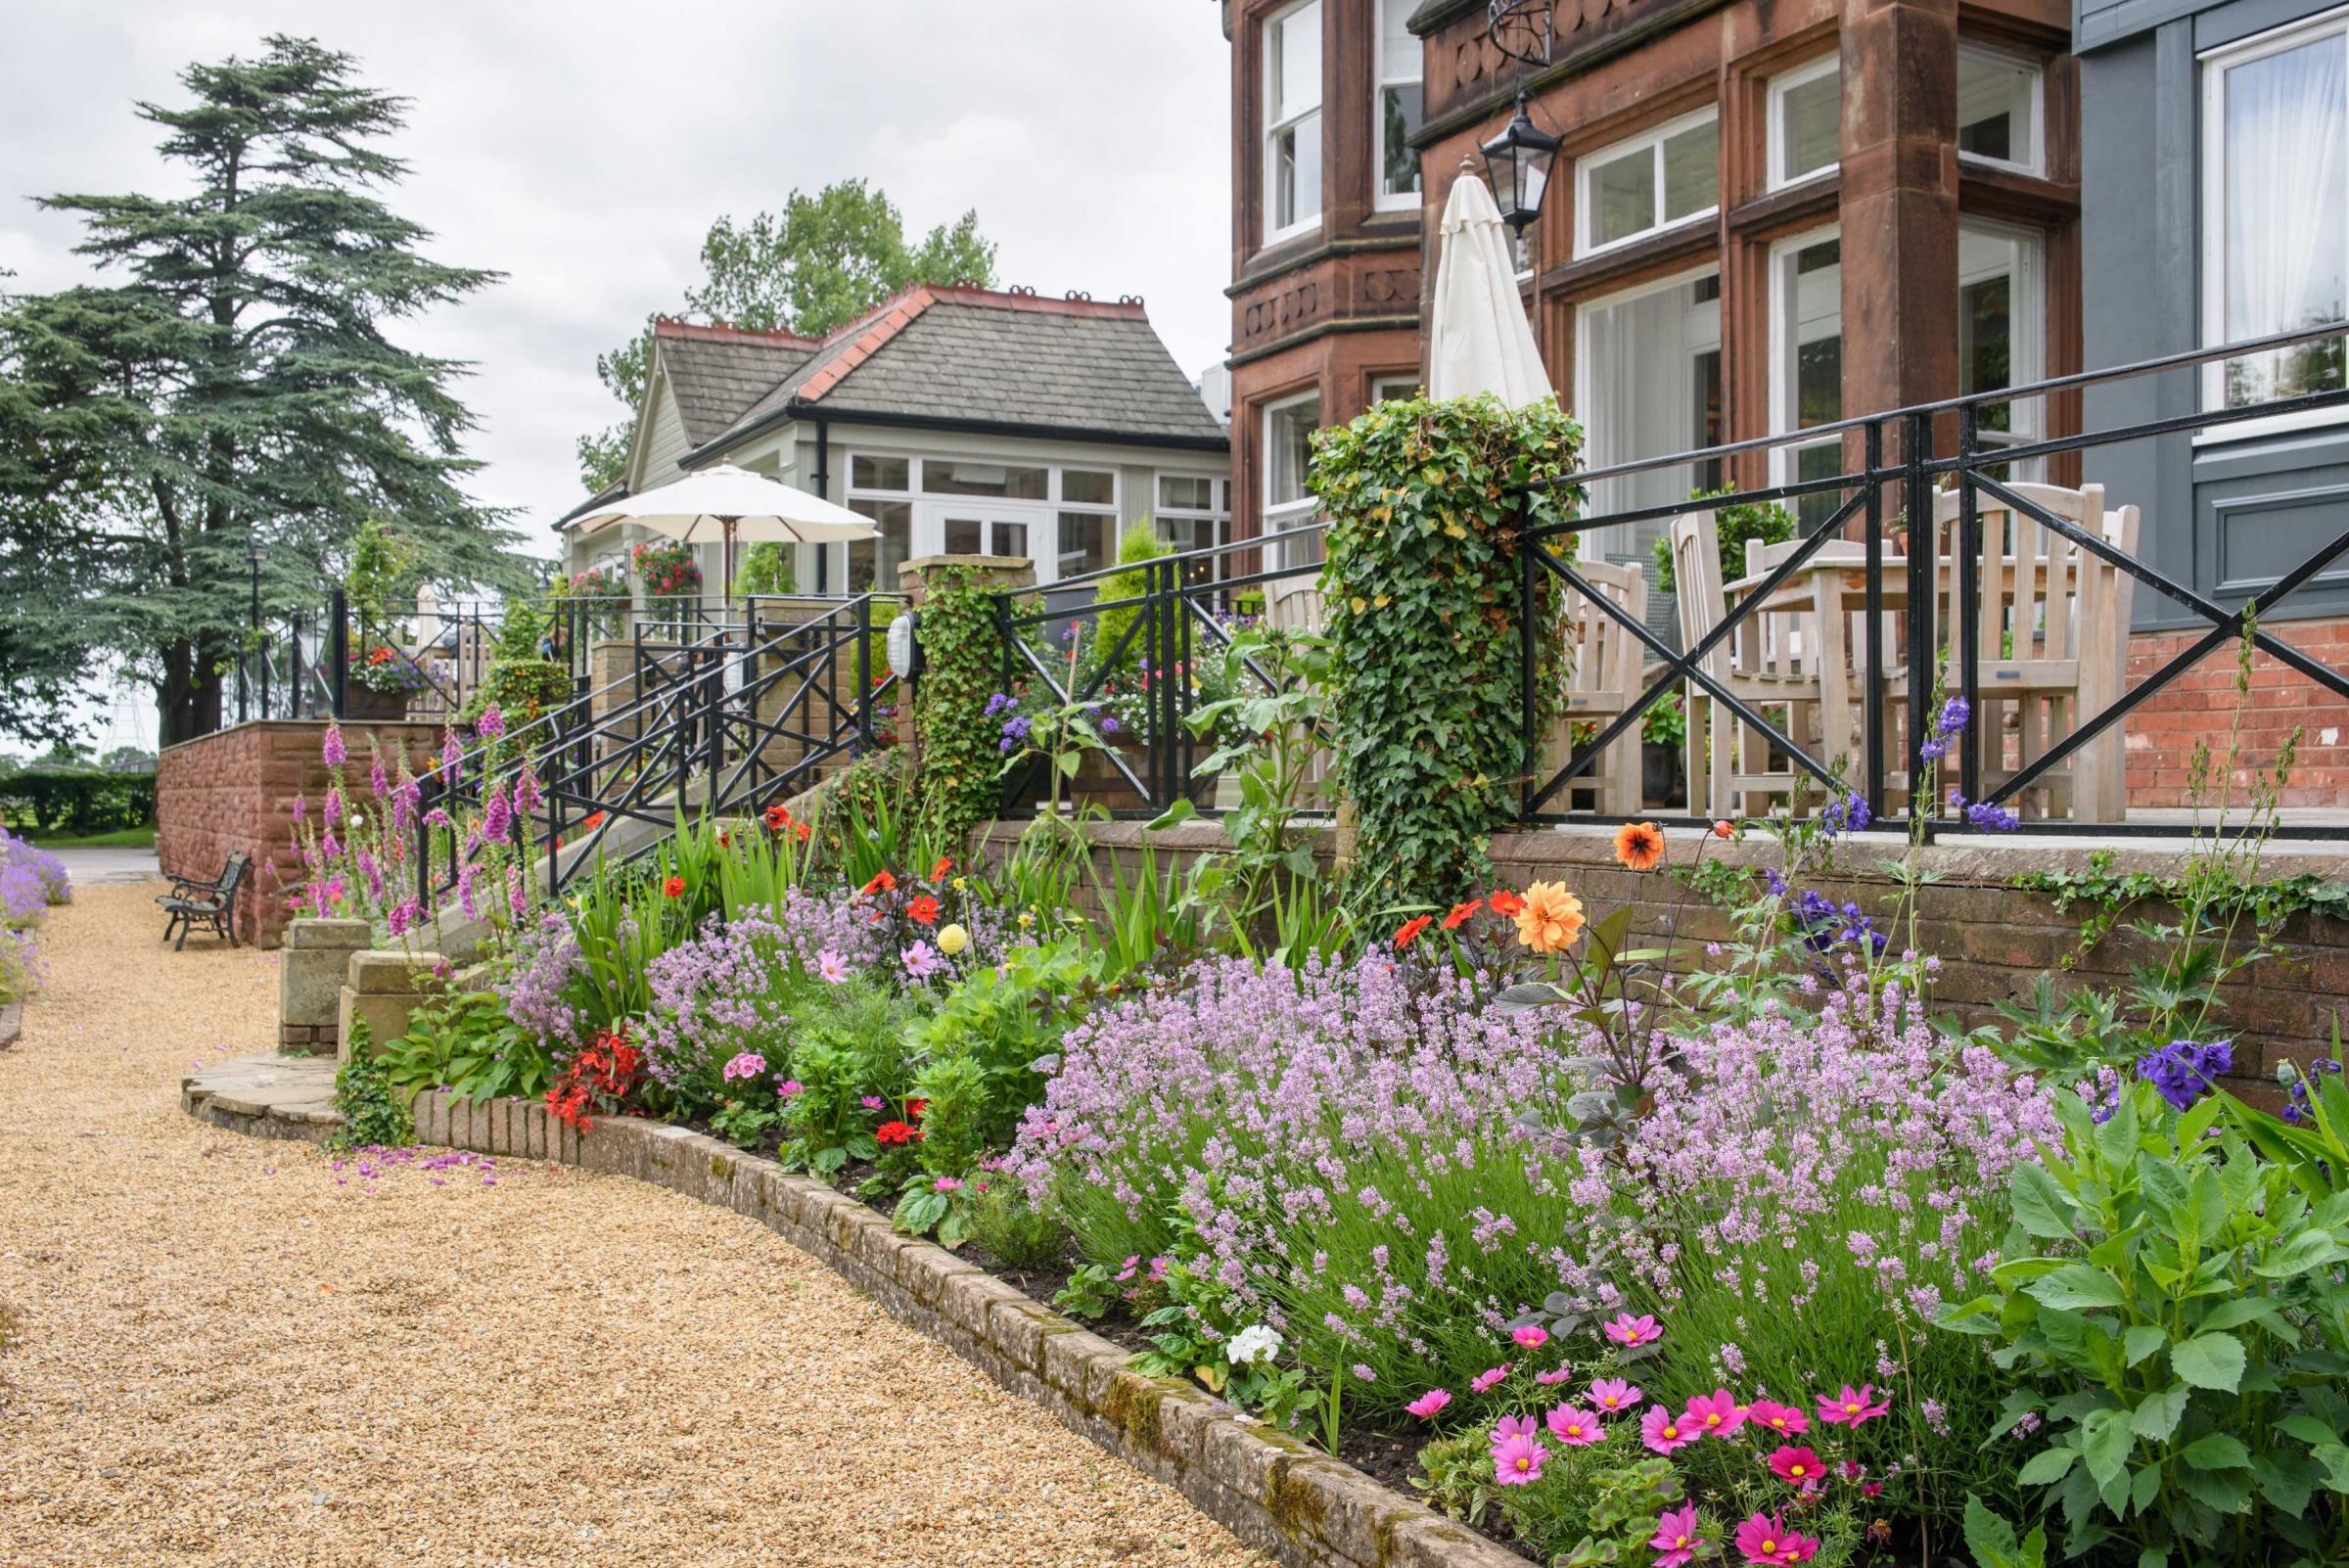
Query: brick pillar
x,y
1899,203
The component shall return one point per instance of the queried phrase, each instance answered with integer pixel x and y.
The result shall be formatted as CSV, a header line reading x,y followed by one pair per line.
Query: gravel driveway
x,y
229,1352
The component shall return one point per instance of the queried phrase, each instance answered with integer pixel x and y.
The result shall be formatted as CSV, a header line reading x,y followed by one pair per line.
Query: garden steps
x,y
1268,1488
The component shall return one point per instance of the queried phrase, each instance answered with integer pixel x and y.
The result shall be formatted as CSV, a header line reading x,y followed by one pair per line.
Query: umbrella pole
x,y
726,569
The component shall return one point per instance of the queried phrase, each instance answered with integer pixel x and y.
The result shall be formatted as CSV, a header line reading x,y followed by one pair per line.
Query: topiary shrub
x,y
960,783
1422,588
1136,546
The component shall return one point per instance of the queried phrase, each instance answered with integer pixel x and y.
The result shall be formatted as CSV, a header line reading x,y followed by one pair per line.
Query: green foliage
x,y
381,565
232,387
80,801
978,1056
1424,583
2312,1149
1733,525
847,1042
961,784
463,1041
1992,1540
1666,723
1145,920
521,688
374,1113
824,261
2172,1306
765,570
1138,545
1000,1221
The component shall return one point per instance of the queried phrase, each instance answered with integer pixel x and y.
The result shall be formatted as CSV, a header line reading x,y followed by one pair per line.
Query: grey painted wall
x,y
2226,518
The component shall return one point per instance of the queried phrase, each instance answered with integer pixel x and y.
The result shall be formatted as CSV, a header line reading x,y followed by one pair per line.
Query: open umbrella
x,y
733,503
1482,341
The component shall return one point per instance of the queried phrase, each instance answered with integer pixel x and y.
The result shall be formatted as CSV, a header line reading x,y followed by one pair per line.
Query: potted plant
x,y
381,683
600,597
1663,733
667,569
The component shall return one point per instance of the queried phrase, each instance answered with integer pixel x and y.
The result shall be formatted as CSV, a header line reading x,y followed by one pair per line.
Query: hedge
x,y
78,801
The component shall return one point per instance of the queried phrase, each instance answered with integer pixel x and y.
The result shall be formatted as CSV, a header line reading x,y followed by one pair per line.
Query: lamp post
x,y
1517,161
258,651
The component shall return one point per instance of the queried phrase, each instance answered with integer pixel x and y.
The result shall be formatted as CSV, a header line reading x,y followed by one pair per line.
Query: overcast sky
x,y
582,148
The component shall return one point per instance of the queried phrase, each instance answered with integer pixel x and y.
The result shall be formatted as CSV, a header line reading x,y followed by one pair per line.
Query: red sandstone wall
x,y
2200,705
234,789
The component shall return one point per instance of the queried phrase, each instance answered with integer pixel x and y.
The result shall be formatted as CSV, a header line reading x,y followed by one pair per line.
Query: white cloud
x,y
582,149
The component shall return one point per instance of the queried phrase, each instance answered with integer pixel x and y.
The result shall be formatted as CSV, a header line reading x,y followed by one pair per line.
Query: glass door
x,y
966,527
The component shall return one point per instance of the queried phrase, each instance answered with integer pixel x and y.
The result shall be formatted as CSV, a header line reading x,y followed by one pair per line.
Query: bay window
x,y
1292,67
2275,211
1397,109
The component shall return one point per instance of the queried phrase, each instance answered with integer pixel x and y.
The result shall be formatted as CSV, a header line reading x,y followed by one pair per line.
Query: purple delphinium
x,y
1848,812
2183,1072
2296,1105
1946,727
1986,817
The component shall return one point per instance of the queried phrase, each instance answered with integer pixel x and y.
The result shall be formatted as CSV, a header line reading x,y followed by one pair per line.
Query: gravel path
x,y
227,1352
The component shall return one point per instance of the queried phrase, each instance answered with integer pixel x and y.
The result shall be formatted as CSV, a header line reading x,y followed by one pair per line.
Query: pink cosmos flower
x,y
1629,1331
1798,1465
1483,1380
1554,1377
1428,1404
1529,1336
872,1102
788,1087
1576,1428
1766,1539
1611,1393
1674,1540
1787,1419
1663,1432
1852,1409
1518,1462
1510,1426
1714,1415
832,968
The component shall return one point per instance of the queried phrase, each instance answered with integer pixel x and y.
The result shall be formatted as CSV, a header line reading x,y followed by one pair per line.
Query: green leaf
x,y
2142,1341
2104,1443
1988,1536
2076,1287
2157,1417
2309,1249
2227,1490
2216,1450
2284,1480
2049,1467
2210,1361
2040,1205
2308,1429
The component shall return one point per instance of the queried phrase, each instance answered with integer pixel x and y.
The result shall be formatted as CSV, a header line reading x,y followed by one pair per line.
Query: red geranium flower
x,y
923,911
1410,933
916,1108
674,887
893,1132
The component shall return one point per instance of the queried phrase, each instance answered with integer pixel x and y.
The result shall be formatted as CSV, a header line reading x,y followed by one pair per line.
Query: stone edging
x,y
12,1023
1271,1490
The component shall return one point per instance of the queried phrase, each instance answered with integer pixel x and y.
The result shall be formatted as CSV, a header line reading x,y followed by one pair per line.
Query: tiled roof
x,y
718,372
981,358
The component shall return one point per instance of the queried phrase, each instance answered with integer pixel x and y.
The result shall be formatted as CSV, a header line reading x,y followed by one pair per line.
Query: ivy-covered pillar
x,y
1427,503
957,765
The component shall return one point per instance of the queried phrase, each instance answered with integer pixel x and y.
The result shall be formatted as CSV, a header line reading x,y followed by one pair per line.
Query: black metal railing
x,y
1907,460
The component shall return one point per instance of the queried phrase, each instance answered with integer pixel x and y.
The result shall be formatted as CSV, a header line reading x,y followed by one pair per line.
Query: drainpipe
x,y
823,491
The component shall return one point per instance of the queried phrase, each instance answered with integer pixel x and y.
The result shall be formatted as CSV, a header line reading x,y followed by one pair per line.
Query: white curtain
x,y
2287,205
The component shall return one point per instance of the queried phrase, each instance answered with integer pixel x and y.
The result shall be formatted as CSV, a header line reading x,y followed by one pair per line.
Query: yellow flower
x,y
961,884
1551,917
952,940
1025,920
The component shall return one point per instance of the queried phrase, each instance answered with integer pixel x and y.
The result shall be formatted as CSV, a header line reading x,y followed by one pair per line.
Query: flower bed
x,y
31,879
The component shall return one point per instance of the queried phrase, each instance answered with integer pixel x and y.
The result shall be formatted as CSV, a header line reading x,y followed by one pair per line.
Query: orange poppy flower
x,y
1410,929
1461,913
1551,917
1506,904
1638,846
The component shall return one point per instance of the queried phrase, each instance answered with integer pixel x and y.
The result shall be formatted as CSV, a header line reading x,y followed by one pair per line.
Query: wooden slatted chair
x,y
1769,662
1602,679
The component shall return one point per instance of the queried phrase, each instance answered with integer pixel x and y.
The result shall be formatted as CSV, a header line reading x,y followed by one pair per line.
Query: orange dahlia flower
x,y
1638,846
1551,917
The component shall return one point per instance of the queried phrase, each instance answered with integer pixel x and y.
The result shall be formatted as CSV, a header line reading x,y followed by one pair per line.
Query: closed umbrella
x,y
1483,341
730,503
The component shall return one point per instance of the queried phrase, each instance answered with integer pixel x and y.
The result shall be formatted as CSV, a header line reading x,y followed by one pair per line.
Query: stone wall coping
x,y
390,974
12,1023
317,933
1268,1488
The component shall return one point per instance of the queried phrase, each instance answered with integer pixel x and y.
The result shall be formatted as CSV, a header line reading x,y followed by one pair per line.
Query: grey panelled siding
x,y
666,440
2225,519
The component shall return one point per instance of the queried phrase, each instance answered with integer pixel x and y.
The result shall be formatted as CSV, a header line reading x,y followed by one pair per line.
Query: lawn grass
x,y
138,837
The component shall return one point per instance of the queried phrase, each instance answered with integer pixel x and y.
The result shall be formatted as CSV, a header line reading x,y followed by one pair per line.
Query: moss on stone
x,y
1135,1405
1295,1503
721,1168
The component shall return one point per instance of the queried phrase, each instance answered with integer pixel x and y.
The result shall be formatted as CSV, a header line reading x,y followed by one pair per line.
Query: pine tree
x,y
234,390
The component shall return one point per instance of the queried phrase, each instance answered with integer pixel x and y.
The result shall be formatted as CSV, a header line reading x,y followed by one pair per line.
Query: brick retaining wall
x,y
1994,940
234,789
2199,705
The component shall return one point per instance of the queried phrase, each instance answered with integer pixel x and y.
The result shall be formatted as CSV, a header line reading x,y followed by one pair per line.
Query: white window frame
x,y
1107,510
1654,138
851,490
2213,64
1779,85
1217,517
1783,340
1397,388
1304,223
1280,517
2037,164
1587,400
1382,199
2027,348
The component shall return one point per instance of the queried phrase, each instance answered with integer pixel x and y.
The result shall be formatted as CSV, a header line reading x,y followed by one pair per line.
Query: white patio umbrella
x,y
1483,341
733,503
